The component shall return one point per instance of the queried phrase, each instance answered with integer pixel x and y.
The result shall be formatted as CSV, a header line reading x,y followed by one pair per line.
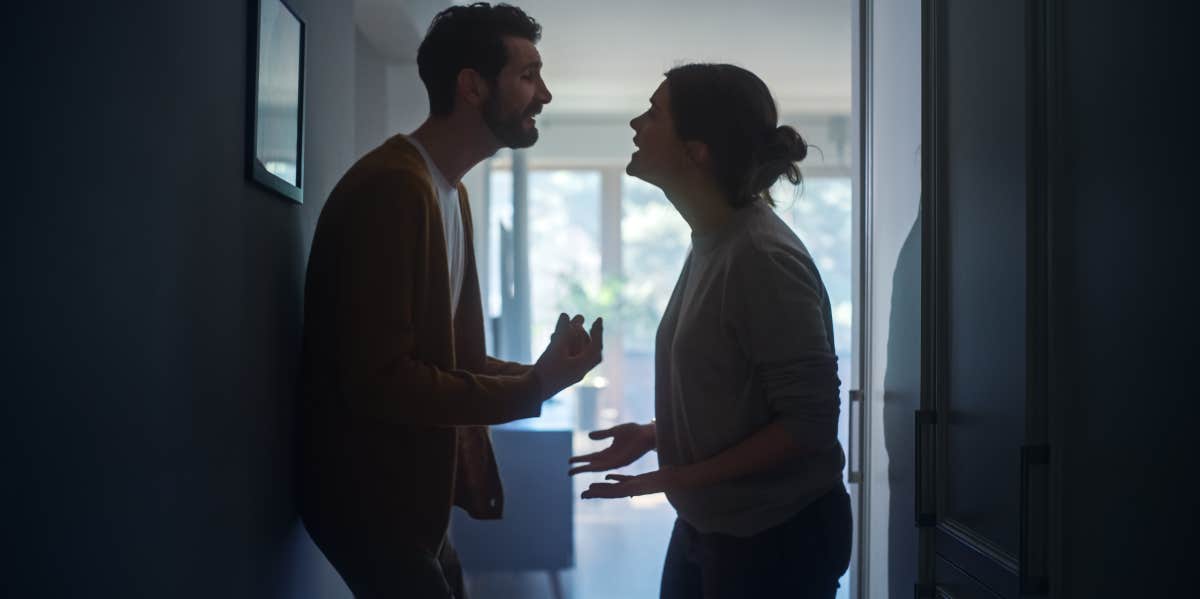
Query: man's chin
x,y
522,139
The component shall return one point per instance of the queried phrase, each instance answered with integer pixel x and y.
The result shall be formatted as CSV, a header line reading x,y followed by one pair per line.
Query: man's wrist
x,y
538,383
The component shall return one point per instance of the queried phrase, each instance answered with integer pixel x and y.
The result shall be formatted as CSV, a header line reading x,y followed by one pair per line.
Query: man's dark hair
x,y
468,37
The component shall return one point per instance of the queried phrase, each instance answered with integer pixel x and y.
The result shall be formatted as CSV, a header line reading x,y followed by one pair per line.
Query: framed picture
x,y
275,132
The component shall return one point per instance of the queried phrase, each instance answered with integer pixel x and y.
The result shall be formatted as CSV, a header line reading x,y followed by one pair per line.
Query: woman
x,y
746,387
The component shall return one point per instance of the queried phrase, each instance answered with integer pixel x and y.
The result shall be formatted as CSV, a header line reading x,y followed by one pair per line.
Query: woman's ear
x,y
697,152
471,87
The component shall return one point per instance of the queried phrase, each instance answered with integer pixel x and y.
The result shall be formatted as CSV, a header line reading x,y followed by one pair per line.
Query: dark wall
x,y
371,106
1124,315
153,303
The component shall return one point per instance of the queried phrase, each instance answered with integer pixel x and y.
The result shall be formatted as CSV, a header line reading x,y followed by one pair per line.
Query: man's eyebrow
x,y
532,64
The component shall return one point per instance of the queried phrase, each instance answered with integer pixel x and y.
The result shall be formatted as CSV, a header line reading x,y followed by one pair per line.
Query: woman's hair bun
x,y
781,149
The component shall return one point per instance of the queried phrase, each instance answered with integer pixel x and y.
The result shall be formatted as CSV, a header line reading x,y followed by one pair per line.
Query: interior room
x,y
988,197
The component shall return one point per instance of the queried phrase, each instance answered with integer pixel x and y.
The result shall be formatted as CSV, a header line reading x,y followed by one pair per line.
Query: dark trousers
x,y
377,568
802,558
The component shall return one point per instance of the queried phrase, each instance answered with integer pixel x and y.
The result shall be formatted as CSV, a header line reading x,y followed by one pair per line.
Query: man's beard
x,y
509,130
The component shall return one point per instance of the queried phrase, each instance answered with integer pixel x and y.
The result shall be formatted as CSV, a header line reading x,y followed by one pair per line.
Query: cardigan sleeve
x,y
495,366
381,283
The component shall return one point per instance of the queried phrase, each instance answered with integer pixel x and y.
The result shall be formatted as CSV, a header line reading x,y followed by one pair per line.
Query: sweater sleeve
x,y
780,320
383,283
496,366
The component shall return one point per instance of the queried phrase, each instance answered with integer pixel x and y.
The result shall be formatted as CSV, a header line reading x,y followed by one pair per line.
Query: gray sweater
x,y
747,340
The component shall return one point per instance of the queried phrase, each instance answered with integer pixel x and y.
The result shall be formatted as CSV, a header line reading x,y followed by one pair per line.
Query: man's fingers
x,y
578,333
597,334
618,477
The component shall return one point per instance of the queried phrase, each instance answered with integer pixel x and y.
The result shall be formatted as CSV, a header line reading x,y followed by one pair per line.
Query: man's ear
x,y
697,152
471,87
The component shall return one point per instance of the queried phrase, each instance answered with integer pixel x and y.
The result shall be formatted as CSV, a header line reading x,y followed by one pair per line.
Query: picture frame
x,y
275,98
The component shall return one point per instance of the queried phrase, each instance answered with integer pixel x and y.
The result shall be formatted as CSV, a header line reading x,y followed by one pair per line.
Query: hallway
x,y
154,292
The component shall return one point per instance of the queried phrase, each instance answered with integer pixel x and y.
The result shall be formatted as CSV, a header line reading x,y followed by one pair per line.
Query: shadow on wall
x,y
901,398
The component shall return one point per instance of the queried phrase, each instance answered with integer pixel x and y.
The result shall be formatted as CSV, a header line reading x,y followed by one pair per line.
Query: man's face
x,y
517,96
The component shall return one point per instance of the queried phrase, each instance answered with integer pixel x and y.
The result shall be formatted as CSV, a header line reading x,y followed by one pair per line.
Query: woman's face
x,y
661,157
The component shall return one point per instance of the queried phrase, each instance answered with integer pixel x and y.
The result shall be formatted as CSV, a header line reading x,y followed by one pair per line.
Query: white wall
x,y
893,373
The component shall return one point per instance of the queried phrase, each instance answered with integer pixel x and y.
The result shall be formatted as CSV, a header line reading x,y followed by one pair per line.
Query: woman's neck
x,y
704,207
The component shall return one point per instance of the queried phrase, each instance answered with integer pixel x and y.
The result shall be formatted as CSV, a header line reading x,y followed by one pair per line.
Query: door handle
x,y
923,443
1032,568
855,448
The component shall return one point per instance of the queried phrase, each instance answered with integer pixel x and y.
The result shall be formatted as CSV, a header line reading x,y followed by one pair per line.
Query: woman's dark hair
x,y
731,111
468,37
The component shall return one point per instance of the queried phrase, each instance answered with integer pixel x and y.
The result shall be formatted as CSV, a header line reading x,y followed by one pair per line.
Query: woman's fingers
x,y
602,434
593,462
613,490
585,458
603,491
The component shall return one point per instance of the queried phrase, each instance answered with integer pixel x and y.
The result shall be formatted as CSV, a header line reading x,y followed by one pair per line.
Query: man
x,y
397,390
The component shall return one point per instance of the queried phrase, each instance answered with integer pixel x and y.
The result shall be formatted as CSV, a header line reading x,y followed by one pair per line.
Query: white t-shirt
x,y
452,224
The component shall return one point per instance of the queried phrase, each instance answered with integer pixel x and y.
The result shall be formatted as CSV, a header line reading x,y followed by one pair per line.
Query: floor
x,y
619,548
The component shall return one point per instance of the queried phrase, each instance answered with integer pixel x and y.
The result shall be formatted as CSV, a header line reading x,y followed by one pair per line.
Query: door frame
x,y
859,438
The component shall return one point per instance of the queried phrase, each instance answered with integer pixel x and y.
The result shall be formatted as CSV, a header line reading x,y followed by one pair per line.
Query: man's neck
x,y
455,147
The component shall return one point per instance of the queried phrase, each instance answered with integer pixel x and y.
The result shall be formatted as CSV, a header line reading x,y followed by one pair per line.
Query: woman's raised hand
x,y
630,441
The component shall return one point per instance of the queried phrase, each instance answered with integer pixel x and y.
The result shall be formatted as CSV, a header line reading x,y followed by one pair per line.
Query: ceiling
x,y
608,56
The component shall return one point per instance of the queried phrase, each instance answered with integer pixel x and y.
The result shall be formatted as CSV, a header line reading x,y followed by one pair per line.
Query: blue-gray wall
x,y
153,303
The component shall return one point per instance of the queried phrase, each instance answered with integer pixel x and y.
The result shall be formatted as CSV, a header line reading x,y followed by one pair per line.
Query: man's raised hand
x,y
571,354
